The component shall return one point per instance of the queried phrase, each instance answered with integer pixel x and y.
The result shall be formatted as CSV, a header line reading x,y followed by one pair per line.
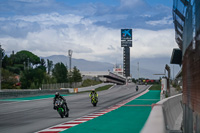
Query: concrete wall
x,y
26,92
166,116
31,92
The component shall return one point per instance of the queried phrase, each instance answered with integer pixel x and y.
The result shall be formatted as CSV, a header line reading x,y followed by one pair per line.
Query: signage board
x,y
118,70
126,43
126,34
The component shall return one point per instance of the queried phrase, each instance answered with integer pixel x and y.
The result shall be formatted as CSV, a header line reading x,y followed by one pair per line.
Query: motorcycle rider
x,y
93,93
137,88
58,96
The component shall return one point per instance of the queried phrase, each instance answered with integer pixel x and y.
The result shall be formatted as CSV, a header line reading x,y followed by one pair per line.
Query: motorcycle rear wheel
x,y
67,114
61,115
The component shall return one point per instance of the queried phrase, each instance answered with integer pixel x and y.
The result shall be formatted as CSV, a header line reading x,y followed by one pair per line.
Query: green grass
x,y
155,87
89,82
103,88
99,89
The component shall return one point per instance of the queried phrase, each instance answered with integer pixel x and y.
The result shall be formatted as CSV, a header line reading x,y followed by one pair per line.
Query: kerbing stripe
x,y
64,126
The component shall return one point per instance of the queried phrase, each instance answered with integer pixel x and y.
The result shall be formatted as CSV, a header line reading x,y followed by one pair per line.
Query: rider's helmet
x,y
57,94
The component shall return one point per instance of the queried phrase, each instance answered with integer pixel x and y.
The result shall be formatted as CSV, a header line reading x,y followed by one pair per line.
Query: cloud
x,y
30,0
18,29
133,4
92,33
150,44
130,13
87,40
165,21
133,13
20,26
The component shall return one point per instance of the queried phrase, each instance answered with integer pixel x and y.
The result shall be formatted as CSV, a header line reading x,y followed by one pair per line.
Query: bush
x,y
7,86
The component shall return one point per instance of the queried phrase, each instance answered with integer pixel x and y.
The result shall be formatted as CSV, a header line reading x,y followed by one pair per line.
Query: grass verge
x,y
99,88
155,87
103,88
89,82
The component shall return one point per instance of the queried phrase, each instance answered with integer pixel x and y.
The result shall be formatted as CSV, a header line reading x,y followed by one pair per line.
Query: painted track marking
x,y
64,126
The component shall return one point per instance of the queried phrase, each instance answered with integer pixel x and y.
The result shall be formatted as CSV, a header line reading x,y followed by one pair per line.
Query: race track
x,y
34,115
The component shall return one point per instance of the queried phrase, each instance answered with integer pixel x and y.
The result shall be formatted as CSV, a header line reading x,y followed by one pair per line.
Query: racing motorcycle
x,y
60,107
94,100
136,88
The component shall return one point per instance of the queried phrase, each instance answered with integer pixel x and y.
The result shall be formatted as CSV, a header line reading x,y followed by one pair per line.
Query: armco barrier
x,y
21,93
166,116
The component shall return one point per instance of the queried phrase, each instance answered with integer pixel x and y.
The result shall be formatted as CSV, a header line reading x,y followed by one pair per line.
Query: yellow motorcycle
x,y
94,100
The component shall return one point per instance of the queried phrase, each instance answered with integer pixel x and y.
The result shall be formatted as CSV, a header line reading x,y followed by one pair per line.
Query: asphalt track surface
x,y
34,115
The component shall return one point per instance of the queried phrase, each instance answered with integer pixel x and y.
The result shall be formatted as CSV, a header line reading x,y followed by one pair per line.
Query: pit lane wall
x,y
166,116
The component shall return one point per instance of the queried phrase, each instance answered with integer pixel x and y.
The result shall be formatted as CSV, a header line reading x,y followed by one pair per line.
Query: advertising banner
x,y
126,34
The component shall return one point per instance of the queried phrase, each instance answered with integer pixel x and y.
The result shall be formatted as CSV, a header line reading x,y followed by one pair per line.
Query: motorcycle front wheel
x,y
67,114
60,111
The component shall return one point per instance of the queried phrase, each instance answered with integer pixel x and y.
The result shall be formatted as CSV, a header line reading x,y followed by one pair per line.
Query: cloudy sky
x,y
91,28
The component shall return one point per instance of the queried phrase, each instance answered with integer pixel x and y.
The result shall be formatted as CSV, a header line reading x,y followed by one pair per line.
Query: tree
x,y
8,79
49,66
76,75
60,73
42,65
19,61
133,80
25,56
33,86
49,79
2,51
42,62
6,61
28,77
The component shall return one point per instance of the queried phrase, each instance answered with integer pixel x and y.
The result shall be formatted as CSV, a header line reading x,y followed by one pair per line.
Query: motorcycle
x,y
94,100
136,88
61,108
